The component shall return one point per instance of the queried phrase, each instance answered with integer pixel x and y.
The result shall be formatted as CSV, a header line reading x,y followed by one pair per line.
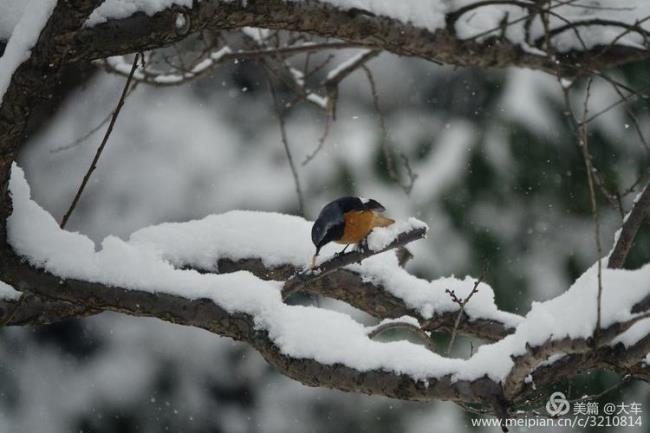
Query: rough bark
x,y
141,32
47,297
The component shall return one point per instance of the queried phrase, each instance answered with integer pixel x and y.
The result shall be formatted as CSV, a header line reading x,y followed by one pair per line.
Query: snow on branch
x,y
155,273
380,240
477,33
146,276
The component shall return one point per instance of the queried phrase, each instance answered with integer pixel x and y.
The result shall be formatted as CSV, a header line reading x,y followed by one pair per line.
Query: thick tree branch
x,y
33,80
375,300
140,32
302,279
36,310
205,314
580,359
629,230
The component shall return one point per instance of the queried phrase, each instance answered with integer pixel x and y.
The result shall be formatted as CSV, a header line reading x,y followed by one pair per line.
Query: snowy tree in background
x,y
532,181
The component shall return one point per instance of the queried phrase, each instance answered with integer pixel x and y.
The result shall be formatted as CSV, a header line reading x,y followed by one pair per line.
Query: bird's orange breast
x,y
359,223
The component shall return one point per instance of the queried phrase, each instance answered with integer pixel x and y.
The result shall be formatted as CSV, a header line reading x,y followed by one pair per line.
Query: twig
x,y
388,158
606,391
582,138
321,140
88,134
14,310
417,331
586,155
287,150
619,102
208,60
635,121
462,304
300,280
629,230
100,149
341,72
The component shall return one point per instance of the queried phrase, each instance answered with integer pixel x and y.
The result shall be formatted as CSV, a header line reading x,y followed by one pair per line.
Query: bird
x,y
347,220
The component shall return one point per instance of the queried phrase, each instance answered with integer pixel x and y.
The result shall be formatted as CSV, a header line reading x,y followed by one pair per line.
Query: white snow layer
x,y
148,261
117,9
480,22
8,293
24,34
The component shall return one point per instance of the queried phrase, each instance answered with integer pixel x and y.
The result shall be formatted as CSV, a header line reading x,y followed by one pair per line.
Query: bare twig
x,y
591,397
635,121
88,134
209,59
385,140
13,312
341,72
100,149
321,140
462,303
287,149
619,102
583,143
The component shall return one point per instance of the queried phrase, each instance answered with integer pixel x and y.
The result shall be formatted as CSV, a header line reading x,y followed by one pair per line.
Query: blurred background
x,y
500,179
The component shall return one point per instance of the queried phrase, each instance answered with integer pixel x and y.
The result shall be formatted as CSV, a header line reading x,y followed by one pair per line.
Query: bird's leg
x,y
313,259
342,251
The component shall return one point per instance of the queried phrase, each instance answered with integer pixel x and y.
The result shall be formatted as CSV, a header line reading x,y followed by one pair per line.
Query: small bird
x,y
347,220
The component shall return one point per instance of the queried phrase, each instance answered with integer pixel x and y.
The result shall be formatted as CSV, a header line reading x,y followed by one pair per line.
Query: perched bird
x,y
347,220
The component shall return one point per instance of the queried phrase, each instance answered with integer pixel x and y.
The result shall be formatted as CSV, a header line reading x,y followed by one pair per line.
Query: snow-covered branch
x,y
151,275
227,273
379,241
494,33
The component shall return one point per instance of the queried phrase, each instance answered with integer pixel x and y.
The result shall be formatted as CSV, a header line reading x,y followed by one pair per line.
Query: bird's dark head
x,y
328,226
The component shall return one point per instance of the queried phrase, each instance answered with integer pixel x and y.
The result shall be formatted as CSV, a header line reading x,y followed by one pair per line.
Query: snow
x,y
480,23
116,9
568,315
23,38
404,319
233,235
430,297
10,13
119,64
147,262
381,237
334,72
8,293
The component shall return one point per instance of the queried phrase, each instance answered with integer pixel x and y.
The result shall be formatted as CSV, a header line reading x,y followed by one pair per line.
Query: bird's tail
x,y
382,221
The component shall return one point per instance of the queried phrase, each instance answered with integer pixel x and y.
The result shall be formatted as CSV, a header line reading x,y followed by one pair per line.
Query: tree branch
x,y
301,280
204,313
141,32
630,228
